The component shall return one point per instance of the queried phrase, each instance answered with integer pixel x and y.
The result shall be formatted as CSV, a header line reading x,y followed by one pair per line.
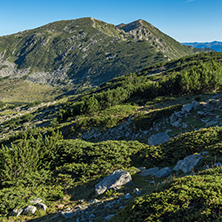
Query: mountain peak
x,y
131,26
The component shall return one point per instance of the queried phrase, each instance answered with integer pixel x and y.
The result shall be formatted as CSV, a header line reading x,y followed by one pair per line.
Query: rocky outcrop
x,y
149,172
30,210
114,180
188,163
158,139
156,172
166,171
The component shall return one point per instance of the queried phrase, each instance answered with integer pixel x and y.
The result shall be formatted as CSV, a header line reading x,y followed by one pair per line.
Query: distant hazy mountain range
x,y
85,52
217,46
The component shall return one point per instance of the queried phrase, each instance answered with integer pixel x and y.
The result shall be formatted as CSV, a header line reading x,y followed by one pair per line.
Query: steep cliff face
x,y
85,52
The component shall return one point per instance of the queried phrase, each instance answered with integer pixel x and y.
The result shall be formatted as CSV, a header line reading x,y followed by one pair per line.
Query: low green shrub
x,y
145,121
191,198
23,161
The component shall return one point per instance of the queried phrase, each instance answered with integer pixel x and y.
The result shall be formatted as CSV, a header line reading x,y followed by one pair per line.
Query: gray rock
x,y
16,212
112,204
30,210
137,191
92,216
188,163
195,104
95,201
177,123
149,172
141,168
217,164
173,118
152,182
184,125
158,138
205,153
201,113
42,206
211,123
36,200
68,213
109,216
128,196
187,108
116,178
169,130
166,171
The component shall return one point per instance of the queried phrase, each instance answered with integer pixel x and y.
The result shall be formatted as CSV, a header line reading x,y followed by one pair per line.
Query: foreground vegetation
x,y
39,162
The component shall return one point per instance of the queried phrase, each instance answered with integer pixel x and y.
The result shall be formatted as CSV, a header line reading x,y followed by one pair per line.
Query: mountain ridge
x,y
84,52
214,45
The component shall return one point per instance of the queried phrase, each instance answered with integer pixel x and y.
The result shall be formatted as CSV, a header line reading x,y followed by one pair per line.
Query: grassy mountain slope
x,y
85,52
116,119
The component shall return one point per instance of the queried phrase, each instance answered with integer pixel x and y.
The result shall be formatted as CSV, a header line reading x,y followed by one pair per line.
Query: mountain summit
x,y
85,52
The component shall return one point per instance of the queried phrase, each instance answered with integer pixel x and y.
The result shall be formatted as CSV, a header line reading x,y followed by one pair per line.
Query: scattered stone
x,y
149,172
81,201
95,201
141,168
217,164
30,210
187,108
169,130
137,191
211,123
201,113
177,123
68,213
158,138
110,205
16,212
36,200
166,171
128,196
92,216
109,216
195,104
116,178
170,177
184,125
152,182
205,153
188,163
42,206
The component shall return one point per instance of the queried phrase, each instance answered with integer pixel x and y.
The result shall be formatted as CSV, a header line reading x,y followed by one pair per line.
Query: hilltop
x,y
72,56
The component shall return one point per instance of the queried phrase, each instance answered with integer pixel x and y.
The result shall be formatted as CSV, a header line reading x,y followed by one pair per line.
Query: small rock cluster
x,y
30,209
186,165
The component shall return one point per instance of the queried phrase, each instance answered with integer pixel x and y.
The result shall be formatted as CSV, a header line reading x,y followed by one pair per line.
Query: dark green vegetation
x,y
190,75
191,198
39,162
85,52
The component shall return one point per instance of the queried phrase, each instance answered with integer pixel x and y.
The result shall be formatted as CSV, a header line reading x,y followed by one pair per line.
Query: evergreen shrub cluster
x,y
191,198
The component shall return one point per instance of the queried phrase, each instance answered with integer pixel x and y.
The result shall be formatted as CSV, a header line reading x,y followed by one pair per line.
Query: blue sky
x,y
184,20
